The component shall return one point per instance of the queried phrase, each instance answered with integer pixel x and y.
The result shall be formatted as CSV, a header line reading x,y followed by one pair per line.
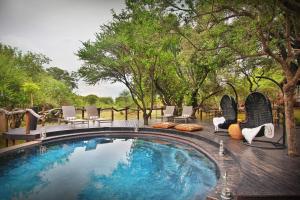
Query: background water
x,y
107,169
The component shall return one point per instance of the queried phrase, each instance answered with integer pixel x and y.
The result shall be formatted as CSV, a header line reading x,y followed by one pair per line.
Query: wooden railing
x,y
113,110
56,113
9,117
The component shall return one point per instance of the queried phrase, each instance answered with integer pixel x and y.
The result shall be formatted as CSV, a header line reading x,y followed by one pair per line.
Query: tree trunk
x,y
146,118
31,99
194,101
290,120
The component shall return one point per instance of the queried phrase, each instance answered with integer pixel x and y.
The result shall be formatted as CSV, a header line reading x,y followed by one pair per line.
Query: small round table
x,y
235,131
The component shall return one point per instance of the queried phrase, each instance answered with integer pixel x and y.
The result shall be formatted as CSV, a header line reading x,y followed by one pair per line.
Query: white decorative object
x,y
43,149
217,121
221,149
43,133
71,118
136,128
226,193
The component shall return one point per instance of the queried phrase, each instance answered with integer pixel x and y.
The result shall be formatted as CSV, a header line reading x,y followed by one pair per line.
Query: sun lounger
x,y
187,112
69,116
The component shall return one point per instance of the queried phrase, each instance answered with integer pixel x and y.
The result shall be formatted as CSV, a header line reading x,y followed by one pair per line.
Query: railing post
x,y
27,122
13,121
126,113
98,109
3,123
138,113
112,113
201,114
82,113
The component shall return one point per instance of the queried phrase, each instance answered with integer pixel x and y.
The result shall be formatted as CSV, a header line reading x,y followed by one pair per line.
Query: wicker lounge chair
x,y
92,114
69,116
258,114
168,113
187,112
229,111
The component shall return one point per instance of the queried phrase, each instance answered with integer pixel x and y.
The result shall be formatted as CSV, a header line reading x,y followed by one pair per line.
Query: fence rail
x,y
12,119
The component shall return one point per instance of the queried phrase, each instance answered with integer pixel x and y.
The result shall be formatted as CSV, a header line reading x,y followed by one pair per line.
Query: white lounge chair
x,y
187,112
168,113
69,116
92,114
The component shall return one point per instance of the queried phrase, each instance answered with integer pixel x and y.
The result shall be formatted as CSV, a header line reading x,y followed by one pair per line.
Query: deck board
x,y
264,173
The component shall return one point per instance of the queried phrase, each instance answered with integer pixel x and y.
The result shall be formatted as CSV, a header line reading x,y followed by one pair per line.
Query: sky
x,y
56,29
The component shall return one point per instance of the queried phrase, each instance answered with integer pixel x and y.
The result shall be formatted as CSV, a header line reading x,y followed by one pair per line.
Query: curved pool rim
x,y
227,163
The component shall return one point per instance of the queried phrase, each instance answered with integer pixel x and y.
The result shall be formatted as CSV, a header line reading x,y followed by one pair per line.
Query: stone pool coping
x,y
227,163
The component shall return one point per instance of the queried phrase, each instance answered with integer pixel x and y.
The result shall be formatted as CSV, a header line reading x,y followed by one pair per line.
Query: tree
x,y
268,29
30,88
22,77
91,99
129,50
108,101
54,93
124,99
11,78
69,79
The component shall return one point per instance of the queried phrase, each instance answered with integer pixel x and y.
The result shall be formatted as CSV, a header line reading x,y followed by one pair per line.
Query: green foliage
x,y
30,88
124,100
105,101
91,99
54,93
24,81
64,76
11,78
130,50
179,51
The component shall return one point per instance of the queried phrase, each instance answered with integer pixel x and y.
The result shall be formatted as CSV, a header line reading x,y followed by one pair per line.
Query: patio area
x,y
263,173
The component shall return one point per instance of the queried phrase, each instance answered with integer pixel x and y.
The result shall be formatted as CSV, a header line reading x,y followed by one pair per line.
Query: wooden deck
x,y
265,173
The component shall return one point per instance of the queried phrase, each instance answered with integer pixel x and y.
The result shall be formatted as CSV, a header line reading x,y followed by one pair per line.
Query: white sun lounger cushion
x,y
217,121
250,133
94,117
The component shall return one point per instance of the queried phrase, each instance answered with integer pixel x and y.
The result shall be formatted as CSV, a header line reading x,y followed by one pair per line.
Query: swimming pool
x,y
107,168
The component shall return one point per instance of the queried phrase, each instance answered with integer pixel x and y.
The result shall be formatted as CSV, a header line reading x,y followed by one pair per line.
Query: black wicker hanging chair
x,y
229,111
258,112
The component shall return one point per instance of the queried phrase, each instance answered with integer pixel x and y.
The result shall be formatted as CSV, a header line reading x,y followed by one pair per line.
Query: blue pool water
x,y
107,169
